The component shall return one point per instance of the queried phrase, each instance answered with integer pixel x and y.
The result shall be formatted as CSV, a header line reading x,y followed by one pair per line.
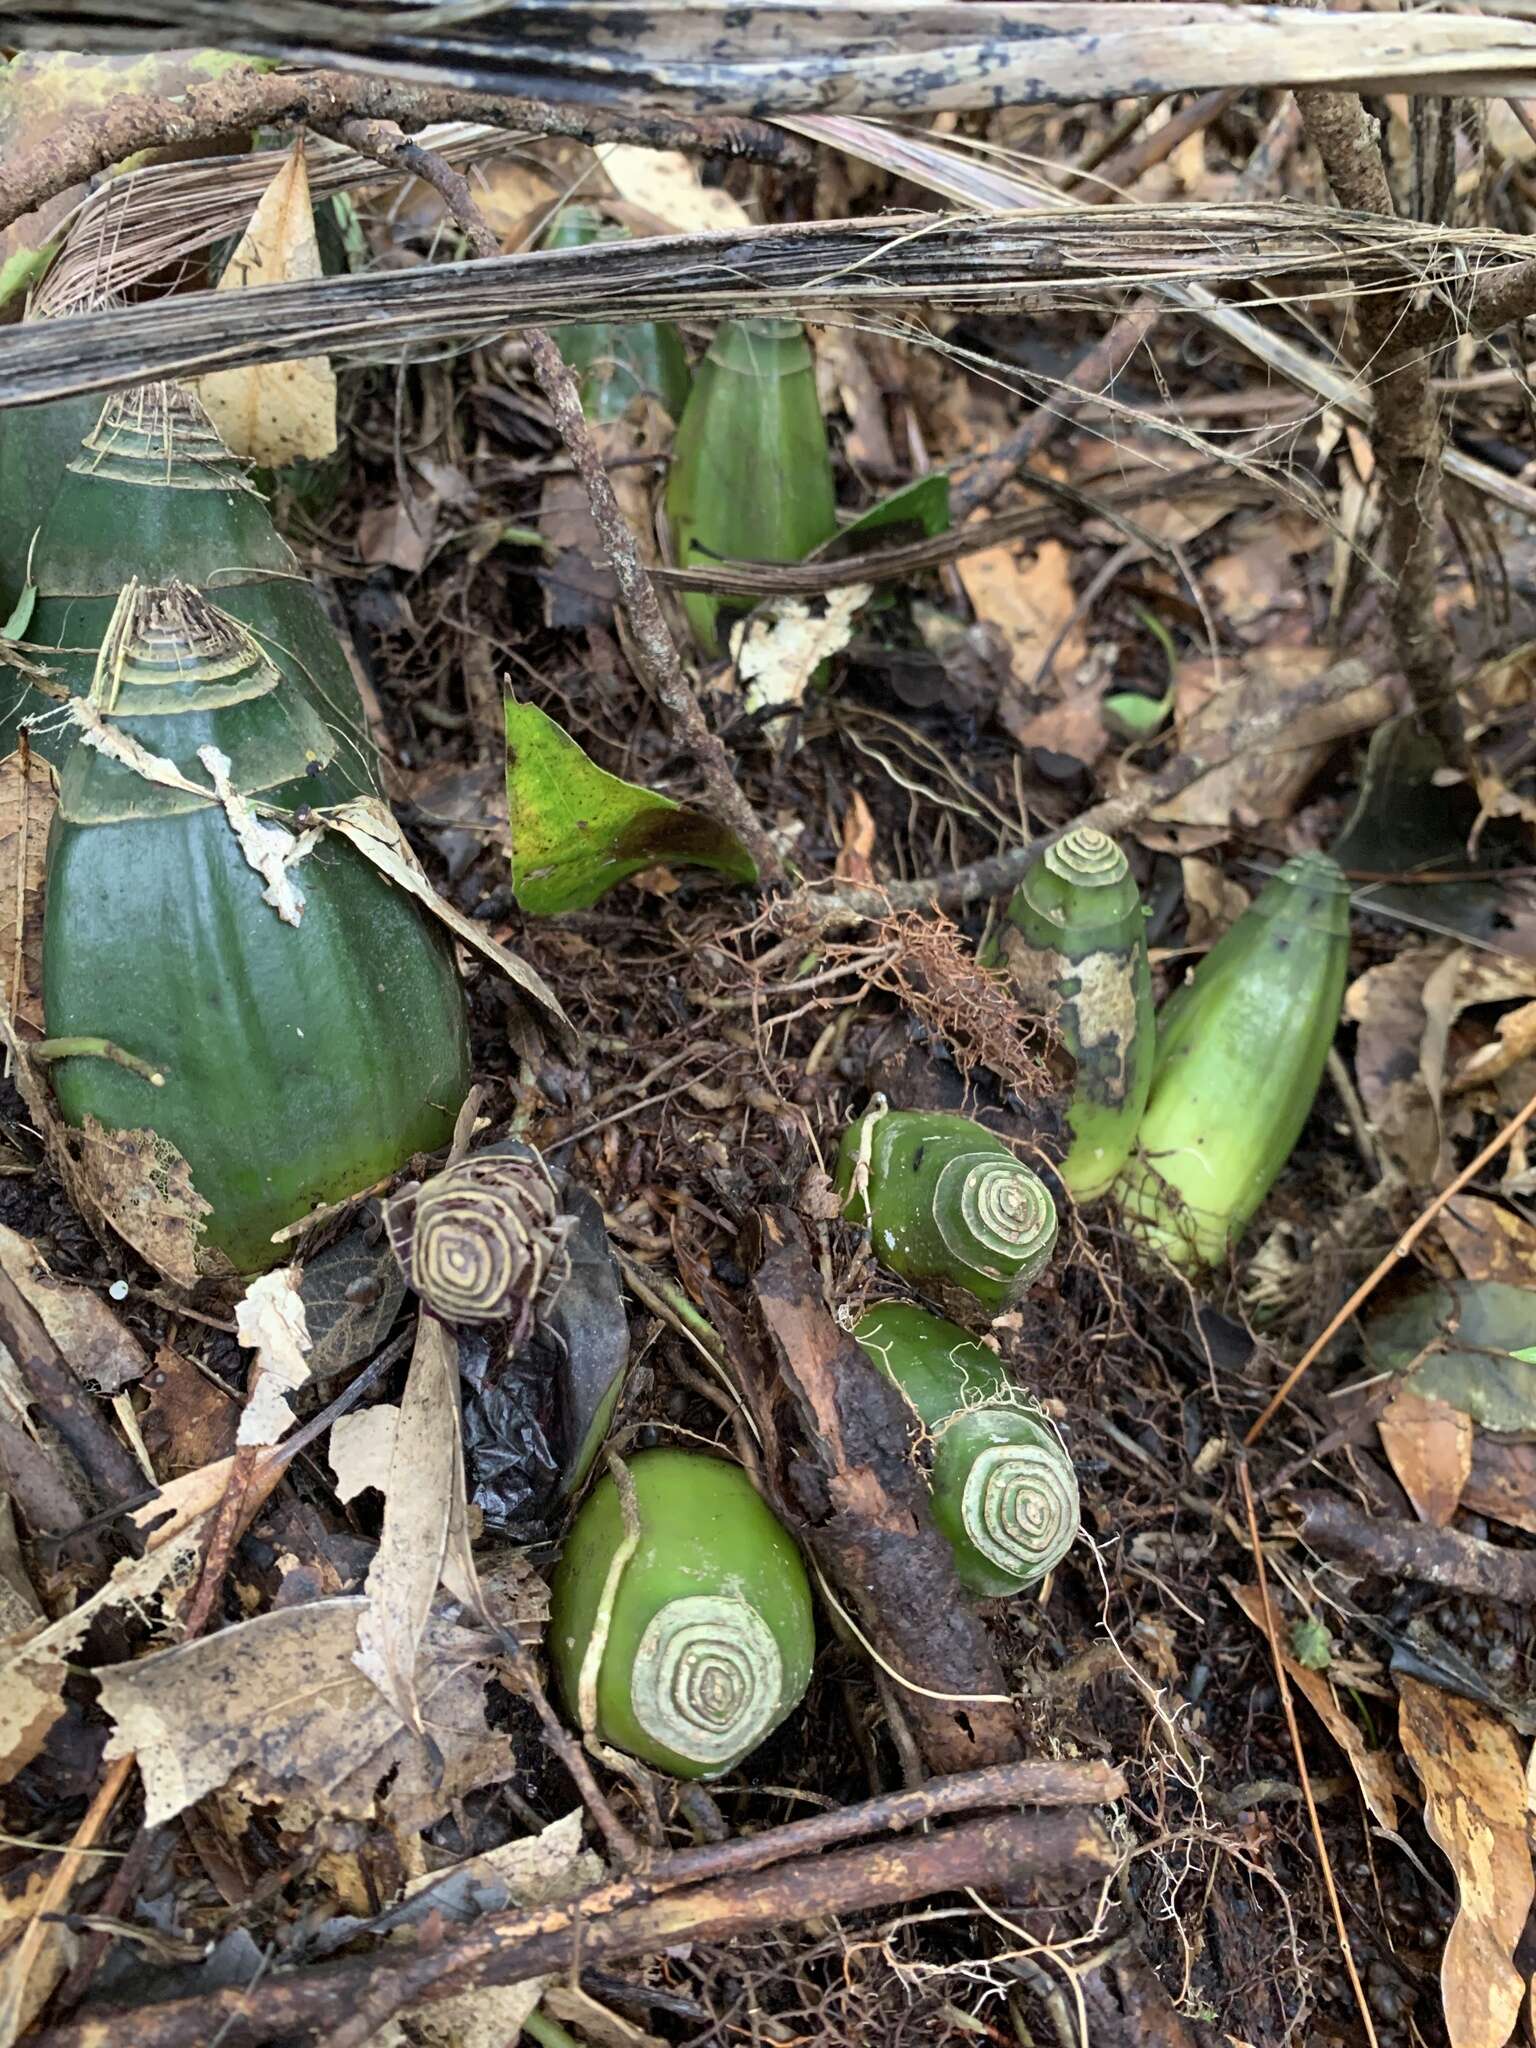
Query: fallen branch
x,y
873,56
1410,1550
350,2000
955,261
77,150
64,1402
1000,873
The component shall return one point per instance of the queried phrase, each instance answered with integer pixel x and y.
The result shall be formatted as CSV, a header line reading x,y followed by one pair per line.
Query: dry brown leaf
x,y
29,796
398,533
275,413
507,190
853,862
1516,1041
143,1187
1502,1482
270,1320
1473,1775
1488,1241
279,1703
425,1478
21,1899
1261,784
844,378
1255,580
191,1418
371,827
1379,1784
20,1608
1213,900
92,1342
1027,595
667,184
1387,1003
1429,1444
33,1669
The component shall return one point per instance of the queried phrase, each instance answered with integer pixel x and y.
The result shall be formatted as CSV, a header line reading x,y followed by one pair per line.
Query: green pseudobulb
x,y
1003,1488
711,1636
946,1203
303,1061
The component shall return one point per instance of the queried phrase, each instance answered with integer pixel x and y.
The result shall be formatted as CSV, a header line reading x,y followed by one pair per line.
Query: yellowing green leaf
x,y
577,830
275,413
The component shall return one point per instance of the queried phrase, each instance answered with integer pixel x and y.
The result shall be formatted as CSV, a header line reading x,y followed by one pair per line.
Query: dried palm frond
x,y
867,56
999,262
136,226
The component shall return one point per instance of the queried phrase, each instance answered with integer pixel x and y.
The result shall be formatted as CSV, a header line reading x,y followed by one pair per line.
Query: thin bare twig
x,y
76,151
1098,367
655,650
1004,871
1288,1707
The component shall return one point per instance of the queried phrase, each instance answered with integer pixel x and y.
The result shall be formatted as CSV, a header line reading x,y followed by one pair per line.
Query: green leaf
x,y
20,618
577,830
1133,716
920,508
1311,1645
1461,1341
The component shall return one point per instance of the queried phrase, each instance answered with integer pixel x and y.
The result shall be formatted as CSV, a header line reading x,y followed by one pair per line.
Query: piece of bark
x,y
1405,1550
105,1462
838,1442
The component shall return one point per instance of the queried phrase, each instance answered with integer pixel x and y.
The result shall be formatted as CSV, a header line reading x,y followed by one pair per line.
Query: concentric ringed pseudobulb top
x,y
484,1240
1086,857
1020,1508
995,1216
708,1678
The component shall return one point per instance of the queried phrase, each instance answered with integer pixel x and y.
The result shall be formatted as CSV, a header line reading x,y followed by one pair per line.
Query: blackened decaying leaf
x,y
590,1330
352,1293
535,1420
510,1419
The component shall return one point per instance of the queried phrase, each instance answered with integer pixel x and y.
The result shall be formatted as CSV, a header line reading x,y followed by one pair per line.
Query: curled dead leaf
x,y
276,413
1473,1775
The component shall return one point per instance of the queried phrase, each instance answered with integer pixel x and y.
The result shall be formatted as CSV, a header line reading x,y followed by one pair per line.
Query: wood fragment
x,y
844,1470
1397,1550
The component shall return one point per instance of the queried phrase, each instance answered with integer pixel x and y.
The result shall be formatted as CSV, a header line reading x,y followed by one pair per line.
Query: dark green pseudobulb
x,y
946,1203
1004,1491
711,1635
151,493
35,443
1241,1049
302,1062
1075,946
751,475
617,361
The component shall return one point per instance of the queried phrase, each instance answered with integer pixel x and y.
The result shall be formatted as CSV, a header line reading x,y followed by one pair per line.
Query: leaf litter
x,y
350,1752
